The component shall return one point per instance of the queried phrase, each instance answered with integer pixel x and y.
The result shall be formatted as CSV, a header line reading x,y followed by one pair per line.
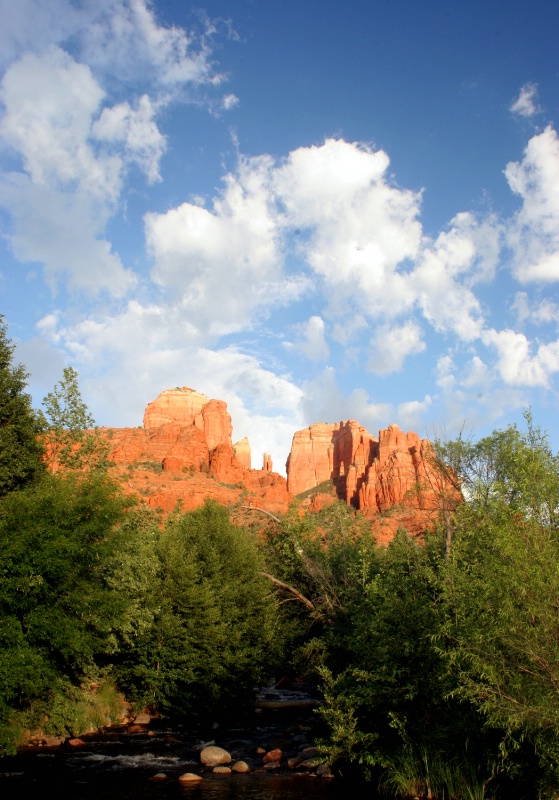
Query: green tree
x,y
213,631
72,440
21,452
502,587
60,545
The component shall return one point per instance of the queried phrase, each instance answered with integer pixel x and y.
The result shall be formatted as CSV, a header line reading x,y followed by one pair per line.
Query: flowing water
x,y
118,764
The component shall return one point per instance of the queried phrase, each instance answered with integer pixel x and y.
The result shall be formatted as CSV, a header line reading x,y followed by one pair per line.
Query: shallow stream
x,y
119,764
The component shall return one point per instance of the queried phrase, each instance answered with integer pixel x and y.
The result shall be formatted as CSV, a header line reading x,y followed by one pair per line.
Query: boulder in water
x,y
213,756
189,777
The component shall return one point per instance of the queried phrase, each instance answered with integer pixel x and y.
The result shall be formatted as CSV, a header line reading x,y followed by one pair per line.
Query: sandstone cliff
x,y
394,472
184,453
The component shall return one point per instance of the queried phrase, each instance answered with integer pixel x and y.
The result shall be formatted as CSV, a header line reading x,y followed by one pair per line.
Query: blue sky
x,y
314,211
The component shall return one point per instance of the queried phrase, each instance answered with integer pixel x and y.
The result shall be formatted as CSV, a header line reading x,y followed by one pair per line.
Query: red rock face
x,y
184,454
242,451
371,474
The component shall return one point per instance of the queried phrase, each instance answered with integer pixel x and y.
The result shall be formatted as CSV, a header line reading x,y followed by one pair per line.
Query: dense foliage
x,y
59,539
437,659
71,439
20,448
212,630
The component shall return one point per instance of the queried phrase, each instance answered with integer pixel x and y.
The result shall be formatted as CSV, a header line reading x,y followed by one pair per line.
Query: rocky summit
x,y
184,453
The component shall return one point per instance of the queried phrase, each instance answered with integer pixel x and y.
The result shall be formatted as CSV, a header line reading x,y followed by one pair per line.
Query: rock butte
x,y
184,453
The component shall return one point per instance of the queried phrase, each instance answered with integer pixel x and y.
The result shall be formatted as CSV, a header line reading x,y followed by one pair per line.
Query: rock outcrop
x,y
184,454
370,474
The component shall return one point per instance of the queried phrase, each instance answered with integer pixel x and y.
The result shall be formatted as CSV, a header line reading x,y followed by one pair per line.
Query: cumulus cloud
x,y
33,25
533,234
107,349
448,268
137,131
62,232
222,264
71,144
538,311
444,372
322,400
357,228
392,344
516,364
50,102
229,101
411,413
312,342
122,38
526,104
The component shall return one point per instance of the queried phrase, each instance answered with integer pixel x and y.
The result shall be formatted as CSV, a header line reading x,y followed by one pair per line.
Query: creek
x,y
120,764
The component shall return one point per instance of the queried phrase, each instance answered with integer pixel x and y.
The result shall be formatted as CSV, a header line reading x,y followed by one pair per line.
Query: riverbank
x,y
146,758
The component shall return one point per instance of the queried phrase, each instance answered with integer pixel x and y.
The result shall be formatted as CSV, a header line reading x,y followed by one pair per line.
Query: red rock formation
x,y
181,406
184,454
242,451
372,475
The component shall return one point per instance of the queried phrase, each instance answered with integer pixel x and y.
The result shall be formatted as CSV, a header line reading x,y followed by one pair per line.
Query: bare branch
x,y
308,603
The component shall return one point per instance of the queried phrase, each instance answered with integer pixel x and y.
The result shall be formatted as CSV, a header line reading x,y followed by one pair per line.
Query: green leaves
x,y
501,587
72,441
20,449
59,615
213,631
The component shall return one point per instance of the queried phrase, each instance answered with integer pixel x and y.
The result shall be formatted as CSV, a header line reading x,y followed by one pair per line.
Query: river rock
x,y
309,763
159,776
189,777
272,765
324,771
222,770
142,719
272,755
240,766
308,752
213,756
54,741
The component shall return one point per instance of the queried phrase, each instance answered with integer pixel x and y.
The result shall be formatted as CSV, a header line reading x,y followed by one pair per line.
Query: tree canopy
x,y
72,440
21,451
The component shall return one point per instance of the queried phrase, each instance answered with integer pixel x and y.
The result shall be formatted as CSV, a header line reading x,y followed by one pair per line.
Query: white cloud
x,y
62,231
356,228
72,148
123,39
526,104
444,372
312,343
33,25
132,357
476,375
50,103
137,131
447,270
224,264
516,365
323,401
539,312
392,344
229,101
411,414
61,203
533,235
